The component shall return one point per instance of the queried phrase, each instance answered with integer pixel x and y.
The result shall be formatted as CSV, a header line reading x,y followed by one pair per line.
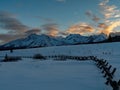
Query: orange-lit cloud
x,y
109,11
9,37
53,32
102,25
109,29
51,29
111,17
81,28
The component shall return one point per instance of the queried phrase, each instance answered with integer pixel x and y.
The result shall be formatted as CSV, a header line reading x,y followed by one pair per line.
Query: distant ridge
x,y
34,40
43,40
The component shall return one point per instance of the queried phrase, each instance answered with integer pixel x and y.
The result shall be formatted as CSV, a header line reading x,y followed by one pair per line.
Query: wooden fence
x,y
108,73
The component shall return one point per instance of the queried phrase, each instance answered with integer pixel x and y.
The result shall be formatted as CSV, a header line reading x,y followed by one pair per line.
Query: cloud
x,y
61,0
109,11
33,31
95,18
82,28
102,25
51,29
15,29
109,29
63,33
89,13
9,22
111,17
92,16
9,37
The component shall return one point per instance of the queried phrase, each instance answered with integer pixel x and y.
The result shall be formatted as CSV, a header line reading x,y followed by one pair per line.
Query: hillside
x,y
31,74
87,49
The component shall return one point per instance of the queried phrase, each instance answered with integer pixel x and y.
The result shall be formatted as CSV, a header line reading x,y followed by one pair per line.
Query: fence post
x,y
113,71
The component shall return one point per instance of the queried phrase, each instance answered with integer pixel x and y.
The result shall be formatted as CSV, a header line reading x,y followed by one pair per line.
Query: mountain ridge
x,y
43,40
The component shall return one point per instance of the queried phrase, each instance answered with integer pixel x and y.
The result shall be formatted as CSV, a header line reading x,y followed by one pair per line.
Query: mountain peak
x,y
33,35
34,40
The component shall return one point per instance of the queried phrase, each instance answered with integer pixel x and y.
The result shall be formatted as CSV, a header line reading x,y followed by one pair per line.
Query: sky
x,y
20,18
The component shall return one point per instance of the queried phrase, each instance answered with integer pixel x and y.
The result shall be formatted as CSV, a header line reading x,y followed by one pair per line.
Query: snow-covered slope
x,y
30,74
97,38
34,40
76,38
50,75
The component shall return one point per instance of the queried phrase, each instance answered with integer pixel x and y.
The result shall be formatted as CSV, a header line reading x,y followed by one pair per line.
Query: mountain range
x,y
43,40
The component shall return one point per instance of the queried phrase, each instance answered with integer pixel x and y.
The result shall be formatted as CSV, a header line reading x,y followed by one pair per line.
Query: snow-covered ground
x,y
29,74
50,75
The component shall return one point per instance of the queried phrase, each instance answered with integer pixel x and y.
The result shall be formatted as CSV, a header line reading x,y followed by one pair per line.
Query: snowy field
x,y
50,75
30,74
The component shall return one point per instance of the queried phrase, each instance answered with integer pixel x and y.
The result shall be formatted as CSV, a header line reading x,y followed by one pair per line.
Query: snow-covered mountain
x,y
35,40
97,38
76,38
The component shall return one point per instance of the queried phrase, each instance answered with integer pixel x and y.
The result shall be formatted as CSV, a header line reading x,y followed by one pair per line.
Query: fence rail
x,y
108,73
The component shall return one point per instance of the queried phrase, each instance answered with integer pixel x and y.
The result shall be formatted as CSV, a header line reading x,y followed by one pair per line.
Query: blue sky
x,y
63,13
53,15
